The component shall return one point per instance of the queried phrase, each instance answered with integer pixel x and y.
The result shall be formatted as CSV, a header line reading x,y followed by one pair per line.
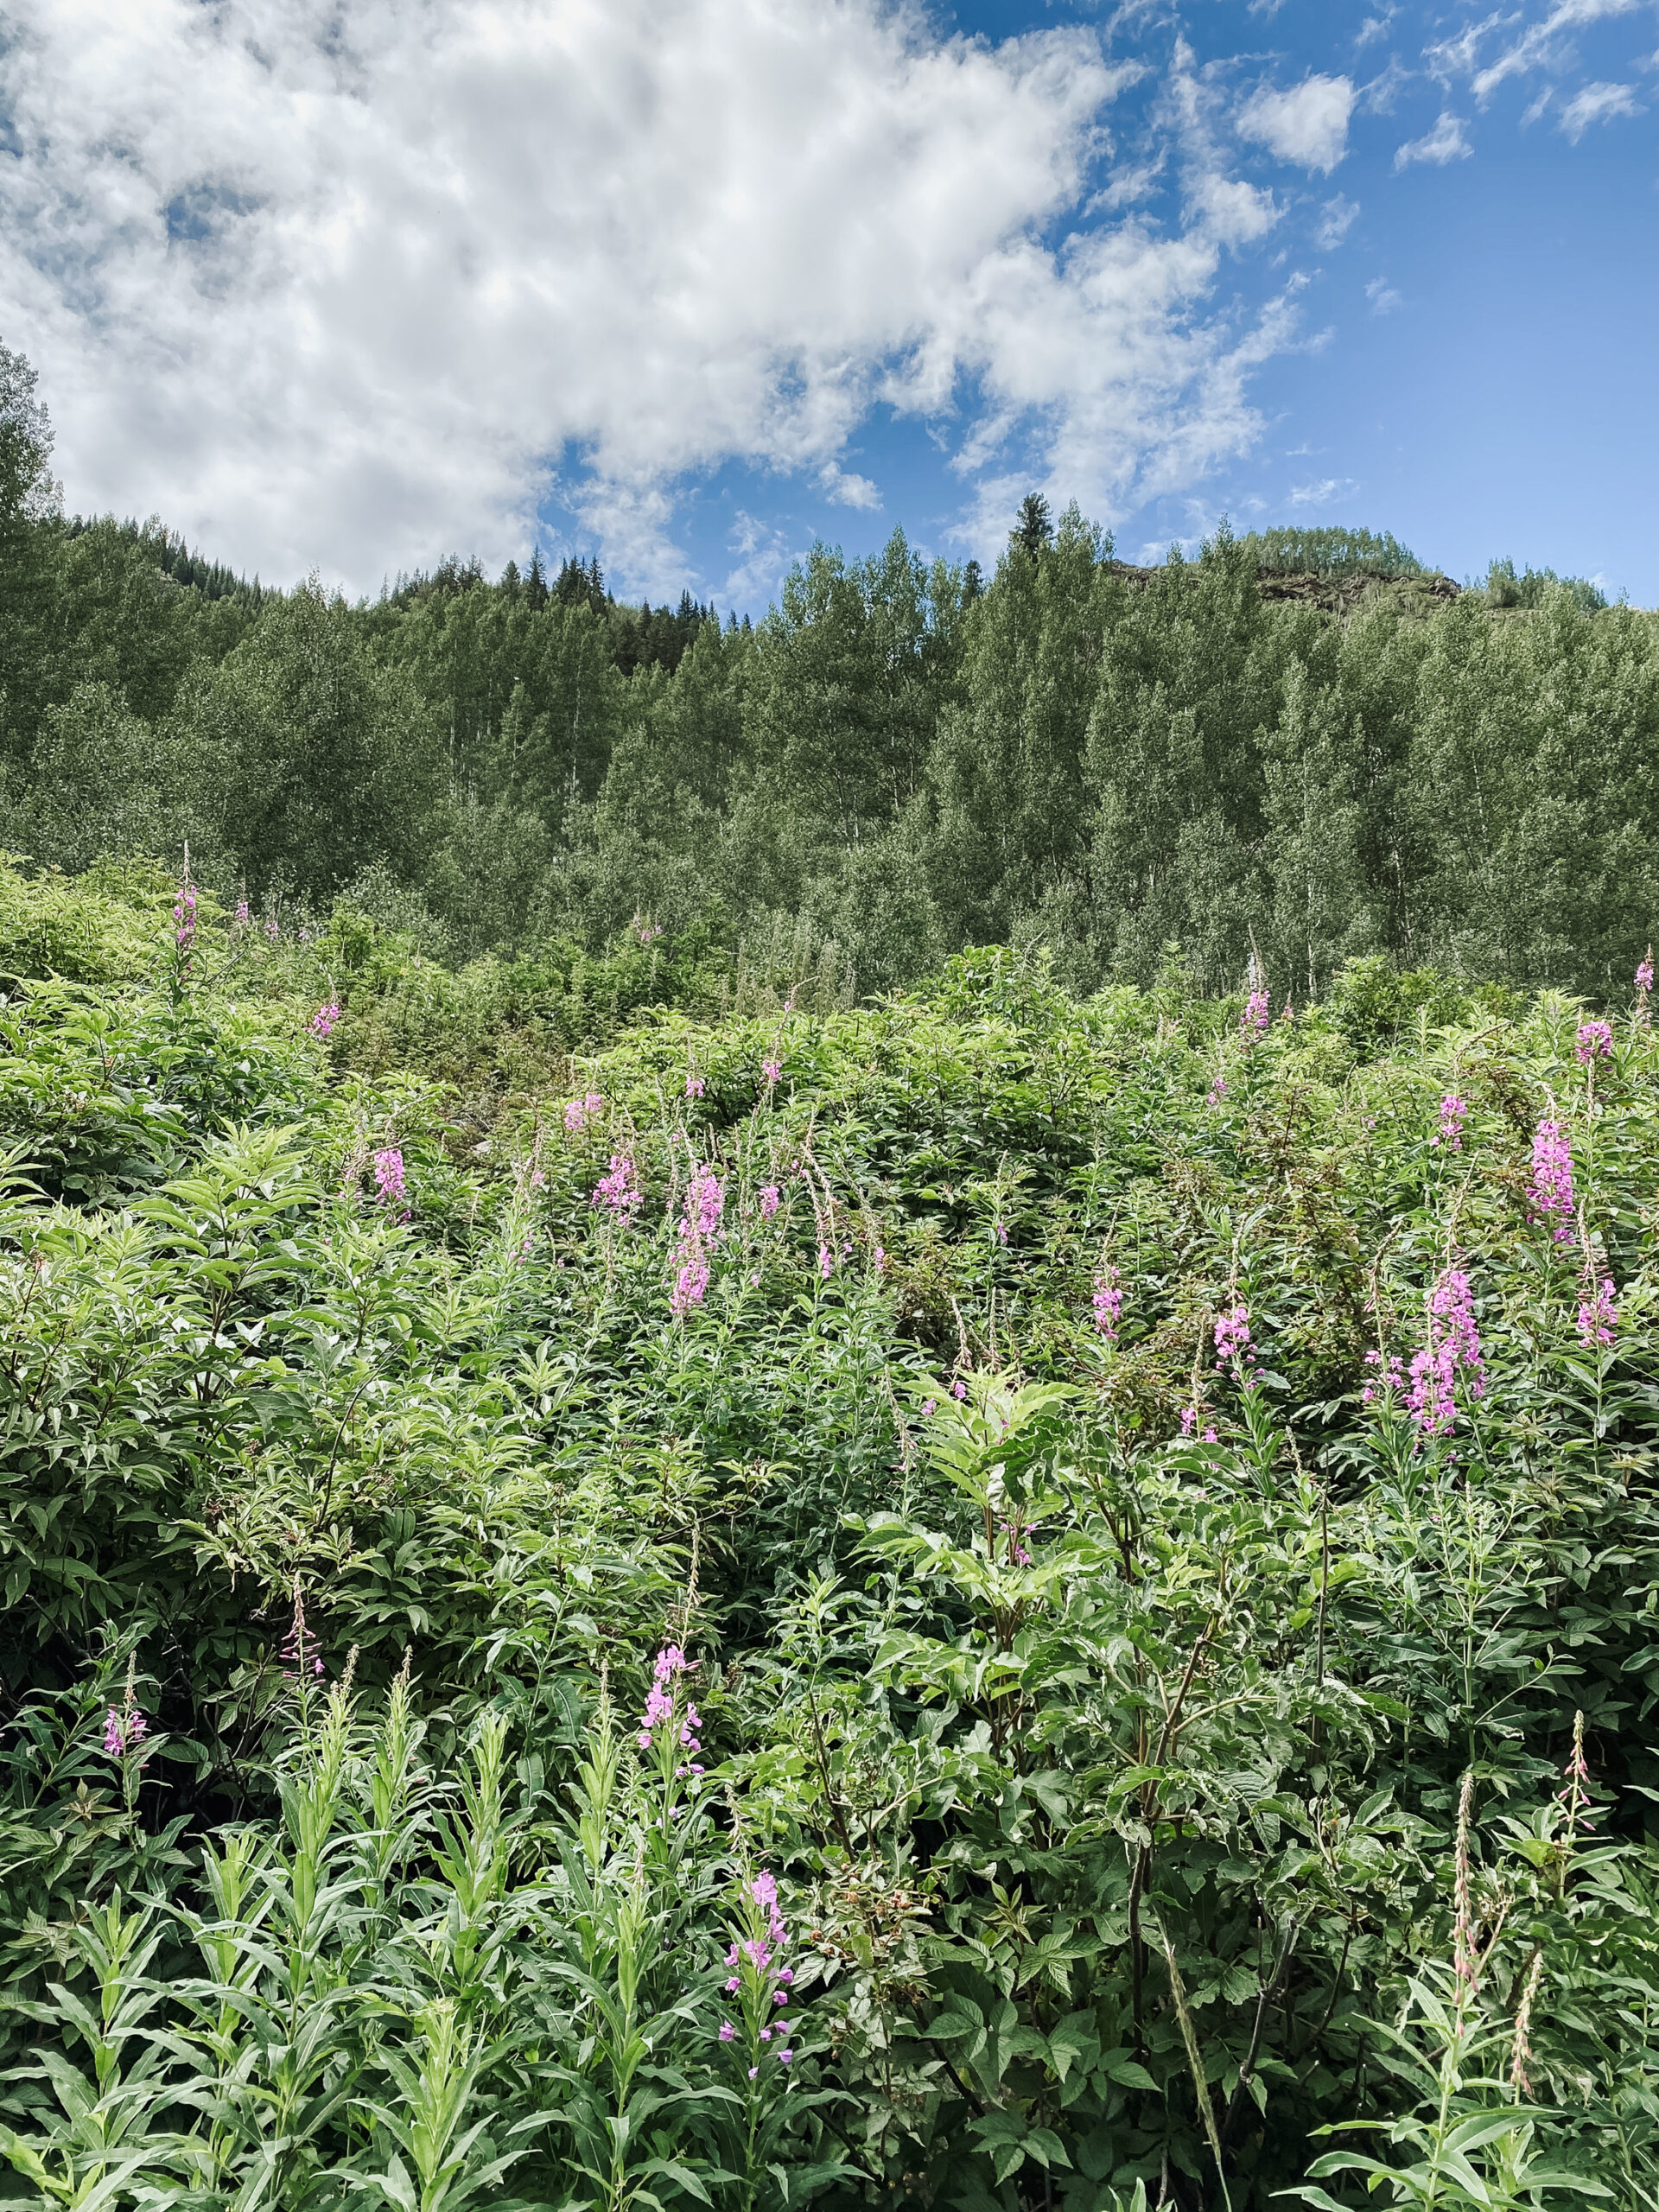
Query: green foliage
x,y
1330,552
445,1688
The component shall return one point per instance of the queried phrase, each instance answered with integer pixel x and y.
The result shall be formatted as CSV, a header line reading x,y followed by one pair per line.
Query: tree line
x,y
1137,767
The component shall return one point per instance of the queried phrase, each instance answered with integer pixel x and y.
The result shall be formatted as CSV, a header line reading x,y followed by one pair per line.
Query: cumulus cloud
x,y
1307,125
846,489
364,285
1597,104
1444,143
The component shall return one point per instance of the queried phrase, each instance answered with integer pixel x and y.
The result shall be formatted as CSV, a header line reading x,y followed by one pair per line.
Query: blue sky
x,y
692,282
1473,363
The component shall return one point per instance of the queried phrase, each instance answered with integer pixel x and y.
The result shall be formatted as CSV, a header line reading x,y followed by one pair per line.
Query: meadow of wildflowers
x,y
1041,1612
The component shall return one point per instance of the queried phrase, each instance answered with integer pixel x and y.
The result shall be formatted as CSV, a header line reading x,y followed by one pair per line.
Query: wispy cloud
x,y
1383,296
1322,492
1597,104
1444,143
1336,217
1543,42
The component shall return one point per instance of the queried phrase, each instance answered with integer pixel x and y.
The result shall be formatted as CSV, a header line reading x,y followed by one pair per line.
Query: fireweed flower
x,y
1454,1112
581,1111
770,1197
1388,1380
1595,1042
1258,1012
826,1261
1018,1556
241,913
273,928
726,2032
1107,1302
1597,1316
1551,1189
1451,1345
184,917
388,1174
772,1070
658,1722
124,1731
1218,1091
617,1193
705,1202
693,1085
322,1022
1233,1338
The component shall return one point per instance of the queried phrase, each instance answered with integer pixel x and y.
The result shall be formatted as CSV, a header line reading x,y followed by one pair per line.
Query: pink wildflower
x,y
388,1173
1258,1012
1217,1090
826,1261
1453,1343
772,1070
1107,1302
618,1192
959,1389
124,1731
1389,1381
1551,1190
1597,1316
1189,1419
659,1703
1453,1114
693,1085
705,1202
184,917
1233,1337
322,1021
1595,1042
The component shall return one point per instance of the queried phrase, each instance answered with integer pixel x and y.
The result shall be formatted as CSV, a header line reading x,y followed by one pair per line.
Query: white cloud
x,y
1374,27
1336,217
1321,494
1542,42
1307,125
1383,296
846,490
1597,104
349,285
1444,143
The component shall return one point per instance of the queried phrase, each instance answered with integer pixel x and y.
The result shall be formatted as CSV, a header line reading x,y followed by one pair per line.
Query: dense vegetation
x,y
900,761
855,1412
998,1600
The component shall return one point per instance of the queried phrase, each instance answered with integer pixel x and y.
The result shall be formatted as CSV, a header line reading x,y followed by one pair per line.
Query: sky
x,y
343,286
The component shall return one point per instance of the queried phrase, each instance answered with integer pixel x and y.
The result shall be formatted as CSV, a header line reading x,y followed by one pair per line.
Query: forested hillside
x,y
900,760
